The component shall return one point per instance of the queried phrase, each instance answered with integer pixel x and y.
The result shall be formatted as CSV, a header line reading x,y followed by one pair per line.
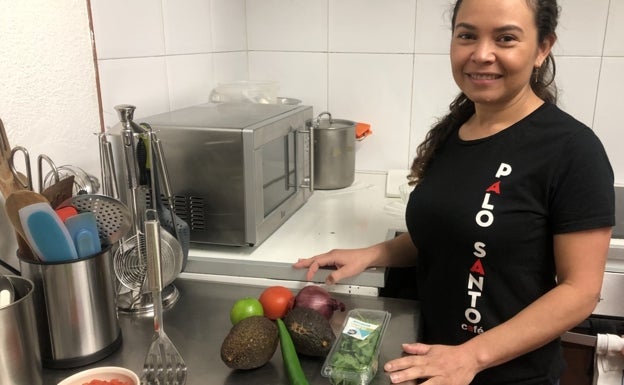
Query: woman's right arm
x,y
399,251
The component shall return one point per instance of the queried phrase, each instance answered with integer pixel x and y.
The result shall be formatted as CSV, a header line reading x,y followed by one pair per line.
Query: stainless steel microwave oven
x,y
238,170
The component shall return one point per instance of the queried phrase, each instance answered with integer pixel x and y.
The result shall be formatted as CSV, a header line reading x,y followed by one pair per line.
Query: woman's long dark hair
x,y
542,82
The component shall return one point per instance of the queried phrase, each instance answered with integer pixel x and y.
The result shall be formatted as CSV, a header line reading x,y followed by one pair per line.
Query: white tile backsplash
x,y
362,89
614,39
287,25
432,91
187,27
229,29
286,68
141,82
581,27
608,121
230,66
577,94
126,29
384,62
371,26
190,79
433,26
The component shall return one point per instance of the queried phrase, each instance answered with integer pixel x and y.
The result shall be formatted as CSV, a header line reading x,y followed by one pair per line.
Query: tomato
x,y
276,301
245,307
104,382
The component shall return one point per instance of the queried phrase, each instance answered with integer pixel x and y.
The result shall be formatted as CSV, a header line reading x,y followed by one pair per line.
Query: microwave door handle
x,y
308,182
287,185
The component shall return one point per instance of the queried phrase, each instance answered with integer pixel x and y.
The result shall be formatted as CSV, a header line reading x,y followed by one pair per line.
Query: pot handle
x,y
317,122
362,130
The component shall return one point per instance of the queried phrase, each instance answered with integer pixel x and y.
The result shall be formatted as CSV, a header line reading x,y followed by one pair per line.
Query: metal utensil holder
x,y
134,301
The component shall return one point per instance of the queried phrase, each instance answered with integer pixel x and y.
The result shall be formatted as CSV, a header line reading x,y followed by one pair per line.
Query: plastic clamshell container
x,y
354,357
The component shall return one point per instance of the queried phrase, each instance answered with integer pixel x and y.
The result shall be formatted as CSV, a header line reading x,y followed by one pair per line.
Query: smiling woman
x,y
510,218
494,62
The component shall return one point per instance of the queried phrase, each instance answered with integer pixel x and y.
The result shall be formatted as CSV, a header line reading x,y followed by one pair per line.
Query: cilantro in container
x,y
354,357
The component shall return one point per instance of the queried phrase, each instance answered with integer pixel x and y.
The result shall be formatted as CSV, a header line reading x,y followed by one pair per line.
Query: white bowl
x,y
104,373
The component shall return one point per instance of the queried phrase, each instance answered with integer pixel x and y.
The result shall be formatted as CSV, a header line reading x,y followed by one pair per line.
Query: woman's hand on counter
x,y
348,263
399,251
445,364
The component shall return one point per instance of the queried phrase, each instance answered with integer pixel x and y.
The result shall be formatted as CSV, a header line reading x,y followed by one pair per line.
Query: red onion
x,y
317,298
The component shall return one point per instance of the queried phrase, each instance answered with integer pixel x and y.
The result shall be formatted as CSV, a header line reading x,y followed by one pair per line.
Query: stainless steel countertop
x,y
199,322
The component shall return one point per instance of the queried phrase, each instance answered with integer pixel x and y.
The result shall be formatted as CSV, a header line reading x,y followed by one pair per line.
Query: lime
x,y
245,307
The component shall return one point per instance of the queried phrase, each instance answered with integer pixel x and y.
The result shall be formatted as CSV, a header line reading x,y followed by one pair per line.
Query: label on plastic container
x,y
359,329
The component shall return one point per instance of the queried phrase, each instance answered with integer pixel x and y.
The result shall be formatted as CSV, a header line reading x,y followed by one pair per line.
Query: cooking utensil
x,y
173,224
9,184
46,234
7,291
75,309
126,113
166,215
28,184
130,262
83,230
59,191
113,218
82,181
163,363
107,164
15,201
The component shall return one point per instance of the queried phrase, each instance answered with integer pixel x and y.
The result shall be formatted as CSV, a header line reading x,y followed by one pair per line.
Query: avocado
x,y
250,343
311,333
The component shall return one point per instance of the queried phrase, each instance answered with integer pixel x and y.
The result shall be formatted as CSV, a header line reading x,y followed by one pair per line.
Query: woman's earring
x,y
536,72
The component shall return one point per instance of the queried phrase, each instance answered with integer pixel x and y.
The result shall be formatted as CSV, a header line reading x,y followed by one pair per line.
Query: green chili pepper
x,y
289,356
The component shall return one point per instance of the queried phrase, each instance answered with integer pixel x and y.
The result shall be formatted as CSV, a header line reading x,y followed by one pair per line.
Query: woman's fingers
x,y
313,264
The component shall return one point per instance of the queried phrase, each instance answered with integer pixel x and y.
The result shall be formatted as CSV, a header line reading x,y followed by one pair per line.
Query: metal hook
x,y
28,184
40,160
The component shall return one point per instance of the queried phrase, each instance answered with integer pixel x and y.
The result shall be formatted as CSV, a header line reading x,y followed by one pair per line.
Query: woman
x,y
511,192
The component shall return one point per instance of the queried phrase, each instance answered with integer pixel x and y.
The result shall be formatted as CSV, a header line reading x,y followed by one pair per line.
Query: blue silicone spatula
x,y
46,233
83,230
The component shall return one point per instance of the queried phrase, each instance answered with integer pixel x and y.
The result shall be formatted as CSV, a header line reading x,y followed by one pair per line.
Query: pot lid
x,y
330,123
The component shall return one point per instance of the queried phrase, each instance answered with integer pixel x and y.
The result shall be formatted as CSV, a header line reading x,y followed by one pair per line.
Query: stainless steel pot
x,y
334,152
20,357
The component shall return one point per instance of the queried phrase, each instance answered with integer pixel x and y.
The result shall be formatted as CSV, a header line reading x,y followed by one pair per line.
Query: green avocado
x,y
250,343
311,333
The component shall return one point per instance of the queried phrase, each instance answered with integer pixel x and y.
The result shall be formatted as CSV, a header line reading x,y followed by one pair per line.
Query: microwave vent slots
x,y
191,210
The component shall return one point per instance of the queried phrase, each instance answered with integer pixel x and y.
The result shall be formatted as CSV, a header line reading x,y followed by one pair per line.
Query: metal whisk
x,y
163,364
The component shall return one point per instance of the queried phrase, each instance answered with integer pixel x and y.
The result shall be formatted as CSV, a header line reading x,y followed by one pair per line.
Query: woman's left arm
x,y
580,259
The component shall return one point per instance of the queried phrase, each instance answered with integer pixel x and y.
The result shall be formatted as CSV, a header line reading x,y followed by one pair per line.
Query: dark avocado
x,y
250,343
311,333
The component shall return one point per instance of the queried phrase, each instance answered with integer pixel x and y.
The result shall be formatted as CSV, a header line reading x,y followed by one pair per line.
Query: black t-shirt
x,y
483,220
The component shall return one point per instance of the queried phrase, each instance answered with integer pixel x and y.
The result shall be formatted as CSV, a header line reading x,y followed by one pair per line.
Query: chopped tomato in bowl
x,y
105,375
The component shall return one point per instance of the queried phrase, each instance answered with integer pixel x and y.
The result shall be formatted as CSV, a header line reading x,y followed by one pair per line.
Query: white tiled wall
x,y
378,61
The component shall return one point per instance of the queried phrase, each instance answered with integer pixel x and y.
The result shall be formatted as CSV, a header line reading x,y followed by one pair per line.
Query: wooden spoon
x,y
16,201
60,191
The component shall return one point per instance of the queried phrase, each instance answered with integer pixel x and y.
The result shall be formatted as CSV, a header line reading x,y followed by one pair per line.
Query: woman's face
x,y
494,49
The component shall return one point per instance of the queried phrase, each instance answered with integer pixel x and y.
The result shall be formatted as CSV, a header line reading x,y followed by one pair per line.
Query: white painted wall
x,y
48,97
